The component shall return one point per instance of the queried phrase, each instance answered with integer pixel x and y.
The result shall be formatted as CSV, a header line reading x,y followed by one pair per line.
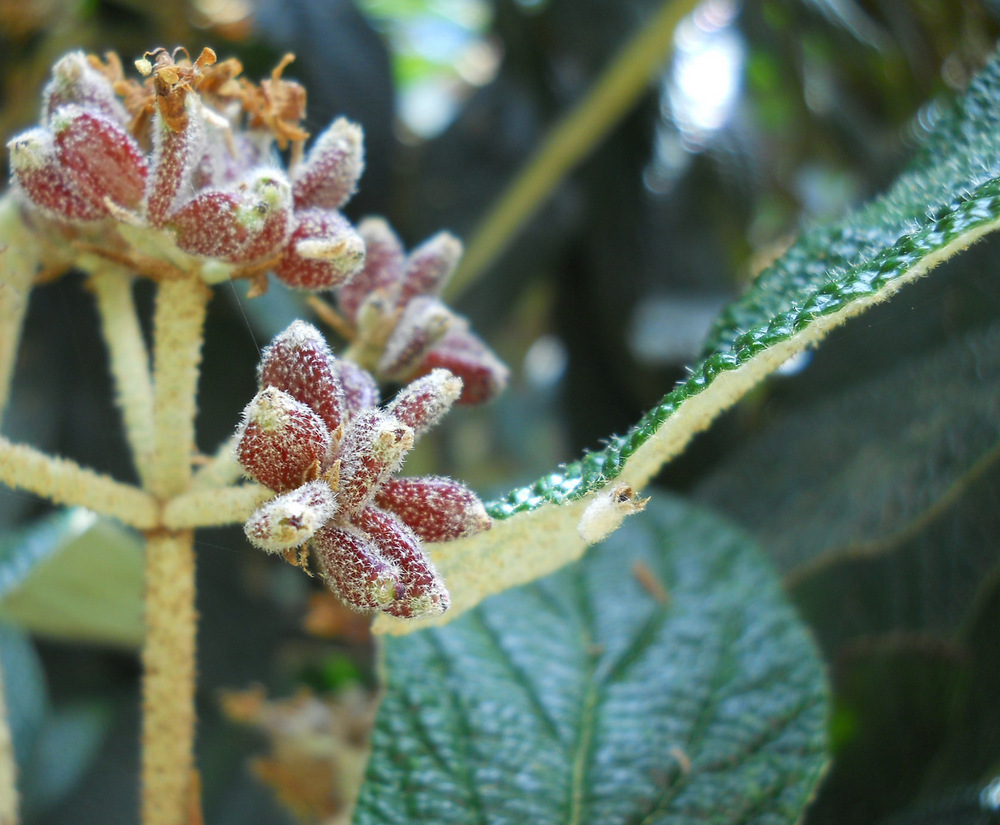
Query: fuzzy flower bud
x,y
329,175
424,591
435,508
290,520
484,376
282,442
421,325
103,159
372,450
423,403
75,80
44,181
353,568
430,266
300,362
324,250
383,269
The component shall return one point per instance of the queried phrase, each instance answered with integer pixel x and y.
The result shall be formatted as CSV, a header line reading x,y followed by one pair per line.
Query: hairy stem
x,y
572,139
168,657
178,323
221,469
129,362
66,482
214,507
18,265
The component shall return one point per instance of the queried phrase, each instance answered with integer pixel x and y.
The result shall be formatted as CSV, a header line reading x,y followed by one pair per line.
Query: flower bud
x,y
176,155
373,448
425,593
422,403
103,159
290,520
323,251
282,443
484,376
383,269
353,568
430,266
433,507
329,175
422,324
75,80
360,389
43,180
238,225
300,363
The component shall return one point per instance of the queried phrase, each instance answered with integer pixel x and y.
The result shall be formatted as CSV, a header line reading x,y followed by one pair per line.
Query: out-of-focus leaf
x,y
663,678
948,199
76,577
65,748
25,692
879,504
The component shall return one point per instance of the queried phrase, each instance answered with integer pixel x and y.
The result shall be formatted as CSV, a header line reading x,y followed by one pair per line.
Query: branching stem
x,y
129,361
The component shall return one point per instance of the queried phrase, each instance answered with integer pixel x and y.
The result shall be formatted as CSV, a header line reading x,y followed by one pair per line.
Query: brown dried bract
x,y
277,105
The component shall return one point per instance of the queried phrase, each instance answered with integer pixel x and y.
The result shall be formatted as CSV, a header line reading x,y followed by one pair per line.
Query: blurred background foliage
x,y
870,471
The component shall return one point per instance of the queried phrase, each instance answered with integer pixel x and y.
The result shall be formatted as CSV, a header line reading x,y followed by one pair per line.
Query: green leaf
x,y
948,199
75,577
663,678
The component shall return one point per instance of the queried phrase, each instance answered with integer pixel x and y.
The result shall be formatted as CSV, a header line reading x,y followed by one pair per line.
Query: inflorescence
x,y
181,173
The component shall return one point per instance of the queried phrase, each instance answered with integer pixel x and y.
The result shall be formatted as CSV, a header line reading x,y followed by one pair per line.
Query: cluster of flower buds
x,y
316,435
400,327
189,154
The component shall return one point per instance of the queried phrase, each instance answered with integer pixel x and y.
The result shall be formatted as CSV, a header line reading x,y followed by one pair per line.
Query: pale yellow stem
x,y
221,469
168,685
129,362
572,139
178,323
18,265
214,507
65,482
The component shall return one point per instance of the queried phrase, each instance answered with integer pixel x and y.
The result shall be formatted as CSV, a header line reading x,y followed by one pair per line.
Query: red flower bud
x,y
45,183
373,448
323,251
435,508
237,225
102,158
484,376
176,155
282,443
430,266
422,403
353,568
329,175
290,520
74,80
425,593
383,269
360,389
422,324
300,363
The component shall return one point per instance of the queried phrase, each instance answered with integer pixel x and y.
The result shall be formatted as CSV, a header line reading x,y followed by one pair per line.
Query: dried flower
x,y
315,434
